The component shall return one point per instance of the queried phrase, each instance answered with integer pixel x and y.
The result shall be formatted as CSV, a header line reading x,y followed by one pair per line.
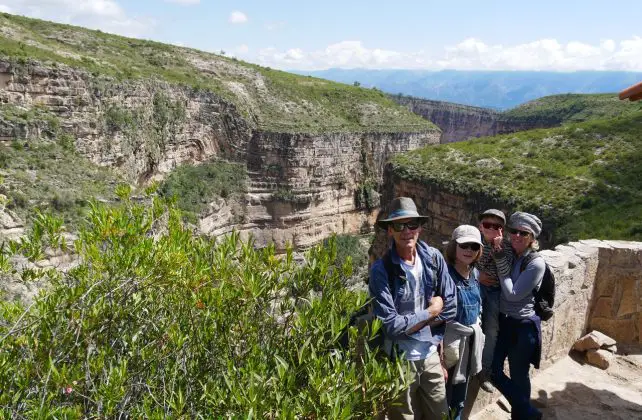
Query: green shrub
x,y
164,324
119,119
350,249
194,187
283,194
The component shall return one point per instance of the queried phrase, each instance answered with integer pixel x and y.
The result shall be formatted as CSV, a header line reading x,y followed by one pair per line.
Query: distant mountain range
x,y
492,89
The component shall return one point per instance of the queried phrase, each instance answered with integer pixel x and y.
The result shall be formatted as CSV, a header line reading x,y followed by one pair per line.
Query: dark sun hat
x,y
401,208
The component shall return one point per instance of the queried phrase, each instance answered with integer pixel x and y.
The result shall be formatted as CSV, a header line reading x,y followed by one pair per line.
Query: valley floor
x,y
571,390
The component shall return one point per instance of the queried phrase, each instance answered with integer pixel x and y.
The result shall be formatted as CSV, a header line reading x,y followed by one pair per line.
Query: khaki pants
x,y
425,399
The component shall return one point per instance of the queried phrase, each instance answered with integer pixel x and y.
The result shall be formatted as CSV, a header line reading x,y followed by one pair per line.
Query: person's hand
x,y
496,242
436,306
487,280
443,368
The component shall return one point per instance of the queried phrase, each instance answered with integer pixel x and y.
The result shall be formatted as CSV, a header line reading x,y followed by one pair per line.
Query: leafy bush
x,y
119,119
283,194
156,322
194,187
350,249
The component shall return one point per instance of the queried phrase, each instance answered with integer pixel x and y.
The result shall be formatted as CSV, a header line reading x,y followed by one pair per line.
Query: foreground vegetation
x,y
156,322
270,99
584,179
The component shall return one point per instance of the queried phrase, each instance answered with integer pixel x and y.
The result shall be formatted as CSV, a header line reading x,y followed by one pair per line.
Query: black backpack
x,y
545,295
363,317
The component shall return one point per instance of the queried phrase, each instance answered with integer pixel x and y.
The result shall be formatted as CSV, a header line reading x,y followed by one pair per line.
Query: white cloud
x,y
5,9
469,54
107,15
237,17
185,2
242,49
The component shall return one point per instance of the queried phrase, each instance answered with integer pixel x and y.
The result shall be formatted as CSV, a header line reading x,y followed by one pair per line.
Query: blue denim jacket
x,y
397,321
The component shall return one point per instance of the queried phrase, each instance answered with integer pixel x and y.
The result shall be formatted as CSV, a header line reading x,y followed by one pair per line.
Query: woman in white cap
x,y
519,337
464,339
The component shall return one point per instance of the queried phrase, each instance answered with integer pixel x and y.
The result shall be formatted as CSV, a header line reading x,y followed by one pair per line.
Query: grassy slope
x,y
572,108
48,174
585,177
274,100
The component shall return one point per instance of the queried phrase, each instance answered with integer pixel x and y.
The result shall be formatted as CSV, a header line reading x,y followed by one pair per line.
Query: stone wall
x,y
598,286
616,307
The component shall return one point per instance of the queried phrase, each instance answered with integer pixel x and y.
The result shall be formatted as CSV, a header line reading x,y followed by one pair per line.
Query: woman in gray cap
x,y
519,337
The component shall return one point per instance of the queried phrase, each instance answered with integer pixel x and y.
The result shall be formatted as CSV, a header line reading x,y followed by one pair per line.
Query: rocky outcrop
x,y
461,122
303,187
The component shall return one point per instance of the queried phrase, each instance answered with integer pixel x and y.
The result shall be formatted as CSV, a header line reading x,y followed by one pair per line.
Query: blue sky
x,y
462,34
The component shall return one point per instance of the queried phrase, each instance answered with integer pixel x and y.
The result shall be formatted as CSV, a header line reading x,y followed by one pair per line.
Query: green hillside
x,y
269,99
583,178
559,109
47,173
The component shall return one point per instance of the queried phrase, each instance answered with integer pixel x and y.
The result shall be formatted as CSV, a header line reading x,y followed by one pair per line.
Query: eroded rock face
x,y
302,187
461,122
141,127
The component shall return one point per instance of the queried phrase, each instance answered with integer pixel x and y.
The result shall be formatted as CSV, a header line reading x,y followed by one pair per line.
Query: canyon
x,y
462,122
302,187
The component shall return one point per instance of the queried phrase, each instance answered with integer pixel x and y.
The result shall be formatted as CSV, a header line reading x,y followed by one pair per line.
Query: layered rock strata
x,y
303,187
462,122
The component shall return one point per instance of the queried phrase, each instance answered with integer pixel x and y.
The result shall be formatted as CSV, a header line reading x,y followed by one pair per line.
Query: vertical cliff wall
x,y
305,187
461,122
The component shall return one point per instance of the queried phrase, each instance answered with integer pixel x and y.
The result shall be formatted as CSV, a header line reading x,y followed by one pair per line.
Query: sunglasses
x,y
521,233
412,225
492,226
472,245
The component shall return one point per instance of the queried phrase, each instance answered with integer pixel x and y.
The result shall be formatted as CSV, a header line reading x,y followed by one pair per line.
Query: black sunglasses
x,y
471,245
521,233
412,225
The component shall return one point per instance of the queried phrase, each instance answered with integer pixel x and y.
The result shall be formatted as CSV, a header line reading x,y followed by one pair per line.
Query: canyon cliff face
x,y
461,122
445,210
302,188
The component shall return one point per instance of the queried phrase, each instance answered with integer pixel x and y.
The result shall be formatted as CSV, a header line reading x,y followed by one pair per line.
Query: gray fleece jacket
x,y
517,300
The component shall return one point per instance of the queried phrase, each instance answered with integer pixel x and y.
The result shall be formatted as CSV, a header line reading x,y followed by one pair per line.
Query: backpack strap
x,y
527,259
391,272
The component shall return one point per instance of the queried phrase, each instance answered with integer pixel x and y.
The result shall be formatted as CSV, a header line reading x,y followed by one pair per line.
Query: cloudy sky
x,y
560,35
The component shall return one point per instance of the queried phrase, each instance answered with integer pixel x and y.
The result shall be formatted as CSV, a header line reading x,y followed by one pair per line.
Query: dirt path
x,y
571,390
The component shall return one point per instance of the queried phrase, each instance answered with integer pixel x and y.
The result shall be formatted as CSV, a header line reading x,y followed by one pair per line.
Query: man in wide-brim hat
x,y
413,306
